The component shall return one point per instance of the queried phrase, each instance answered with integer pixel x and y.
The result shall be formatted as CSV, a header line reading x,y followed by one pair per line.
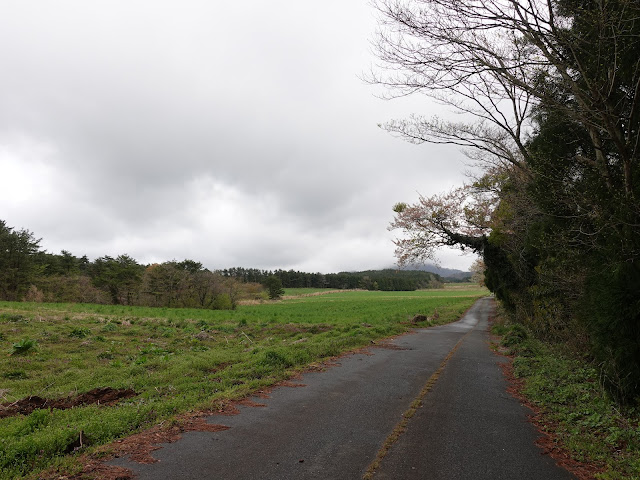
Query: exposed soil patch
x,y
100,396
289,384
418,319
321,366
138,447
202,336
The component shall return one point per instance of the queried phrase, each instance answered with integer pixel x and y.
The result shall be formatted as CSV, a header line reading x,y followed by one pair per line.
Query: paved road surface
x,y
468,427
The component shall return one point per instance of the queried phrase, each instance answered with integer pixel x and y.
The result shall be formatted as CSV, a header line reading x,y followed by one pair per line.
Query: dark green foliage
x,y
289,278
18,267
121,276
80,332
274,288
514,336
587,246
500,276
570,270
223,301
63,264
386,280
611,306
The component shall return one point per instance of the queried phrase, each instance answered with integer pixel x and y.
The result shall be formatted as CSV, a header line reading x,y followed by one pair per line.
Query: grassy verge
x,y
572,407
176,360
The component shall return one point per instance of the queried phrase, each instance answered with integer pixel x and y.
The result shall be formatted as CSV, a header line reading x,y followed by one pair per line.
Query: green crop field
x,y
174,360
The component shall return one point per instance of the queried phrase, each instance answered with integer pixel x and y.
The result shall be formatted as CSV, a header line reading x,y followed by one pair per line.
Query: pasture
x,y
147,365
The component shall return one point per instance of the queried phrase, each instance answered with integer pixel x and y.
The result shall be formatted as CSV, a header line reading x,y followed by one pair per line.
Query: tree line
x,y
550,93
29,273
386,279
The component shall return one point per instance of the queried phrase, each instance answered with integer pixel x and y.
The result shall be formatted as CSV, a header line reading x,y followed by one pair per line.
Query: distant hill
x,y
447,274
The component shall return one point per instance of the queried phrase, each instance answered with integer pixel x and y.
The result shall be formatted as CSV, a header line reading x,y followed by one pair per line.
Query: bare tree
x,y
495,60
502,64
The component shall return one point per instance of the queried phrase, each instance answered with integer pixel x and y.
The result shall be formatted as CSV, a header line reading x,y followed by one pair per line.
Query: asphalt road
x,y
467,428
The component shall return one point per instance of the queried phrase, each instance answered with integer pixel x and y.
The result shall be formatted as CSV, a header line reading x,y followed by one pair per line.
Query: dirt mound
x,y
100,396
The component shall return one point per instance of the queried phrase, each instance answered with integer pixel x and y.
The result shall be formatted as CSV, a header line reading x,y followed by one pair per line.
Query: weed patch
x,y
601,437
79,333
11,317
23,346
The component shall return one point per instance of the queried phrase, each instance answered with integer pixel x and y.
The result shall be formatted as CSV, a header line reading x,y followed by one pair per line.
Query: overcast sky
x,y
235,133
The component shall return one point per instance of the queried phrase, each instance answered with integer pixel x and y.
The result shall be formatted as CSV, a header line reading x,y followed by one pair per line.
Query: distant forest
x,y
387,280
29,273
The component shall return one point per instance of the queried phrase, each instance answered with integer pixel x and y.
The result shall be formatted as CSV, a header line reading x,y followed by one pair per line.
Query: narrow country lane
x,y
334,427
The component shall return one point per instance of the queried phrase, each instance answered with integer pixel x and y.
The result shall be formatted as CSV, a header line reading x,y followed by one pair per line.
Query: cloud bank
x,y
236,135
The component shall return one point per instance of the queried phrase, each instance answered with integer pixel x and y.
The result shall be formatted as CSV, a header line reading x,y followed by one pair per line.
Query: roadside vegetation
x,y
151,364
572,405
549,94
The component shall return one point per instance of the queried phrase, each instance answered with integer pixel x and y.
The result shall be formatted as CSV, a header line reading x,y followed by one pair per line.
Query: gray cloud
x,y
235,133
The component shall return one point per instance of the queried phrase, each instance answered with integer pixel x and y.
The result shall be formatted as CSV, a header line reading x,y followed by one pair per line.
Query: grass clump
x,y
276,359
514,335
79,333
11,317
23,346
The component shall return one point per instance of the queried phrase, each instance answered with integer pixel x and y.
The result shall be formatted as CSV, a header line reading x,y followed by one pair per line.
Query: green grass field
x,y
176,360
